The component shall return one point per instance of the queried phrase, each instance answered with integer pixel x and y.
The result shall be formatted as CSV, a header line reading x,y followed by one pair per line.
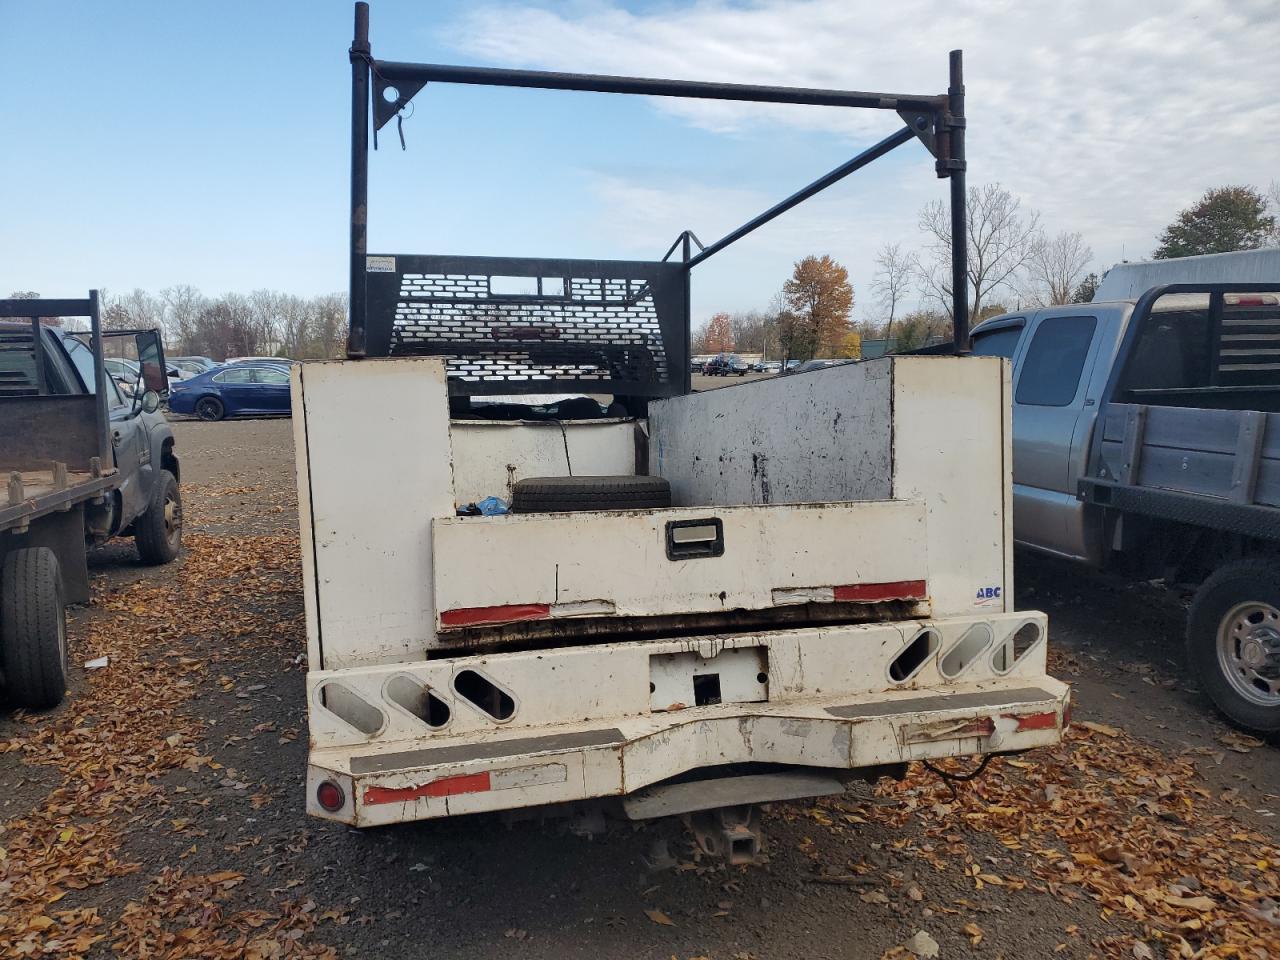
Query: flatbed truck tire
x,y
560,494
158,532
1233,642
33,629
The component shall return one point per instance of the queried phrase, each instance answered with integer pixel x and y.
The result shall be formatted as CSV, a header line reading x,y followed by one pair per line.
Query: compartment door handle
x,y
690,539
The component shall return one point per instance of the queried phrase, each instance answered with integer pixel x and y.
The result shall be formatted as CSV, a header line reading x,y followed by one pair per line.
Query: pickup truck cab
x,y
1145,438
142,447
1061,360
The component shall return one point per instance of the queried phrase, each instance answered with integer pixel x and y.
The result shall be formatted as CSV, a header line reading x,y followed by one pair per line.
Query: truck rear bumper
x,y
492,769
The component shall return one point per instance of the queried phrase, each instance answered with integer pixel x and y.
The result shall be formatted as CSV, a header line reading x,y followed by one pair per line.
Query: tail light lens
x,y
330,796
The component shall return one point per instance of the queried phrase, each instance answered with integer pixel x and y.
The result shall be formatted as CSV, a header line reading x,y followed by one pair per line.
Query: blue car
x,y
242,389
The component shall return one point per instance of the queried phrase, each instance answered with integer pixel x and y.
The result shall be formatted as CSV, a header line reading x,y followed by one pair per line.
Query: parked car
x,y
726,364
121,369
126,375
769,366
193,365
790,365
809,365
236,360
243,389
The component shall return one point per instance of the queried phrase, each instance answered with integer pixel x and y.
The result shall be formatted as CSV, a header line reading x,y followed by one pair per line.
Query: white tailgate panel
x,y
620,558
377,445
952,449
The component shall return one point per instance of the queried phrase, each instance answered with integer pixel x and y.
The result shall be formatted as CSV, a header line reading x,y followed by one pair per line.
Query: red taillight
x,y
1250,300
330,796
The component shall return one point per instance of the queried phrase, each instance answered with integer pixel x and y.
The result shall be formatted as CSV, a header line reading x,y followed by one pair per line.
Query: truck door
x,y
1050,414
128,441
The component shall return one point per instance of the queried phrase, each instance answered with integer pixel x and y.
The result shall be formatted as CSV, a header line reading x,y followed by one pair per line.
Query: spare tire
x,y
558,494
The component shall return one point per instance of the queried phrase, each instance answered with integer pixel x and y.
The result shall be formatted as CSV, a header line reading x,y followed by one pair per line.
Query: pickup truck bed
x,y
1206,467
35,493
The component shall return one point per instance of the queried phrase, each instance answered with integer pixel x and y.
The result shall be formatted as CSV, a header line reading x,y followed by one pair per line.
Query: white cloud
x,y
1106,118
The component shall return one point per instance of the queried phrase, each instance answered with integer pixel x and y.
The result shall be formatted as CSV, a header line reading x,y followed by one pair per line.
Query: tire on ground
x,y
33,628
158,532
1245,581
559,494
210,408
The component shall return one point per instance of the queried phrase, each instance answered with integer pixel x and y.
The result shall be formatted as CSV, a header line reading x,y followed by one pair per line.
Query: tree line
x,y
261,323
1013,263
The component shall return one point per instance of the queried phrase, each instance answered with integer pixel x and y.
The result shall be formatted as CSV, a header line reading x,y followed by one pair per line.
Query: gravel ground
x,y
190,813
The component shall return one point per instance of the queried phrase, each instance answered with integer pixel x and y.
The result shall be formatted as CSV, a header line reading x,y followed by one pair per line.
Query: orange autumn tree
x,y
819,300
719,335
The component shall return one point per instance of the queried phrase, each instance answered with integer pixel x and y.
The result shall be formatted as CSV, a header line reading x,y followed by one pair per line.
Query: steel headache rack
x,y
521,325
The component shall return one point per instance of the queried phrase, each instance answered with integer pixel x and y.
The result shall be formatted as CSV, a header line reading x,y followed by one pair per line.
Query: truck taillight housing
x,y
330,796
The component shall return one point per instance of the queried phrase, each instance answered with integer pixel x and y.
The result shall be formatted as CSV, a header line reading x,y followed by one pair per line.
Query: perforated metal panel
x,y
534,326
17,362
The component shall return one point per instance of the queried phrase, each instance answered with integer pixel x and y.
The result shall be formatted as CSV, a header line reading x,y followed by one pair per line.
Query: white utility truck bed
x,y
698,602
828,594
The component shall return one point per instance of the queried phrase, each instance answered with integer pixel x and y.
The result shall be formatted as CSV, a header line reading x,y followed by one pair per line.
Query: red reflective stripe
x,y
875,592
444,787
1035,721
470,616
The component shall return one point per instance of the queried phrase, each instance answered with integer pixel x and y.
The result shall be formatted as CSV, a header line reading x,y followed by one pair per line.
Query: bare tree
x,y
135,310
1058,265
1273,206
1002,239
894,269
329,332
182,305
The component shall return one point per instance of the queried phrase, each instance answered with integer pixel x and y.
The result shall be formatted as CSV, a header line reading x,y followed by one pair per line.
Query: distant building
x,y
873,349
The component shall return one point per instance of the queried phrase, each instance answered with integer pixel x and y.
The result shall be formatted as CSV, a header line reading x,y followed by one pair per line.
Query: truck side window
x,y
1051,369
82,357
997,343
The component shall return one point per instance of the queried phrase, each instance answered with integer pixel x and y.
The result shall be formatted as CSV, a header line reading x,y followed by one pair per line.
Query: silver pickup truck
x,y
1146,440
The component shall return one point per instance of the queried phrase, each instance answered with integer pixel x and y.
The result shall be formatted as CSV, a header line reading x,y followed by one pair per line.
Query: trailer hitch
x,y
729,832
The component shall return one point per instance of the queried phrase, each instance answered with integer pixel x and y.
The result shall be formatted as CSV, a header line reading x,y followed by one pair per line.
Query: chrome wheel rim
x,y
1249,652
172,518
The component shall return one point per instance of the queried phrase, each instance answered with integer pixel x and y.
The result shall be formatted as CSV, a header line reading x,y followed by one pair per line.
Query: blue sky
x,y
162,143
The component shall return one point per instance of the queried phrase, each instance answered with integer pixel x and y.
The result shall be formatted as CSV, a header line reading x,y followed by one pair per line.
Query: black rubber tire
x,y
33,629
158,532
210,408
561,494
1239,582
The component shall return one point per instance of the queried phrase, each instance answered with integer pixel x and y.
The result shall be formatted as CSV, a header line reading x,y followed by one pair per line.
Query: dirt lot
x,y
158,813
